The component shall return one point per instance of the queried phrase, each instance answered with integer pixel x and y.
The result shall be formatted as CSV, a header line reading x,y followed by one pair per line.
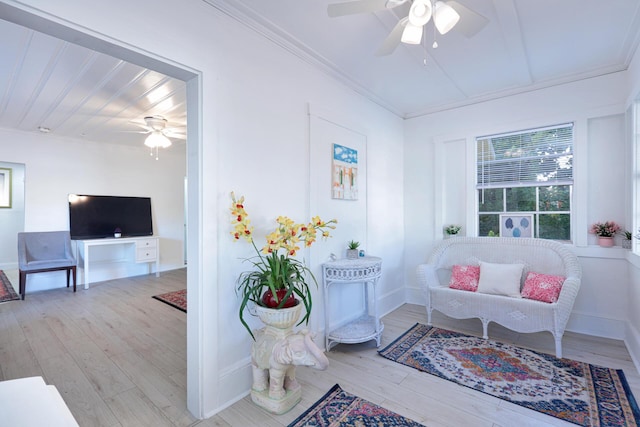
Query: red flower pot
x,y
269,300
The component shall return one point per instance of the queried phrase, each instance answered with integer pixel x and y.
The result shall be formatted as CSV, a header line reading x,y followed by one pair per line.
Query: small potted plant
x,y
352,249
605,232
117,232
626,242
452,230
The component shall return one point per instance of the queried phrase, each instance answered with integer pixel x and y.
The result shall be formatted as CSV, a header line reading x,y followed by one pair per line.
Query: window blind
x,y
534,157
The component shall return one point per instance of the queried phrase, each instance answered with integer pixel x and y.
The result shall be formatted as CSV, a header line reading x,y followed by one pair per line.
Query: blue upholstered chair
x,y
45,251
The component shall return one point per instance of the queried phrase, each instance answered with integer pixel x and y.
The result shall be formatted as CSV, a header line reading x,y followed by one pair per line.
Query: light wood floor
x,y
118,357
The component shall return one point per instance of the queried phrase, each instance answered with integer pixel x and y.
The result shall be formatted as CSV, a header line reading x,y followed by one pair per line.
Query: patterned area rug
x,y
7,293
338,408
577,392
177,299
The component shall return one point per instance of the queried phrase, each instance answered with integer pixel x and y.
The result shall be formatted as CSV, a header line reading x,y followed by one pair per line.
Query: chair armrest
x,y
427,276
567,297
22,253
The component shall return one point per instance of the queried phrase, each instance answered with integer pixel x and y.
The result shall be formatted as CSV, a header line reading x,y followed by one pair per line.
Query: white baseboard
x,y
414,296
632,341
596,326
9,266
235,384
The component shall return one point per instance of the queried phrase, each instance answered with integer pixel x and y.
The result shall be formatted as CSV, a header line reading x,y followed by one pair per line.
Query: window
x,y
527,172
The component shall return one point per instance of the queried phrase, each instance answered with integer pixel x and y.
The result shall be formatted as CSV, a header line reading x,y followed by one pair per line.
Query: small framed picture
x,y
516,225
5,188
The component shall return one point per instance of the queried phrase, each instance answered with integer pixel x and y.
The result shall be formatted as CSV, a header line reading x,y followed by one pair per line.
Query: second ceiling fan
x,y
446,15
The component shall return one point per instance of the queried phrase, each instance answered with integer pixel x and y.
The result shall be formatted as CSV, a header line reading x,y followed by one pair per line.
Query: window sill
x,y
595,251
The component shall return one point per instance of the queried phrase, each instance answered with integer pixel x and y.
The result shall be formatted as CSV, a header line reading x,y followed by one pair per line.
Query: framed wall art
x,y
516,225
5,188
344,173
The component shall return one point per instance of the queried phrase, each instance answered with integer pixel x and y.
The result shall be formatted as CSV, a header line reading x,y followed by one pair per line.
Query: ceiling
x,y
53,86
75,92
527,44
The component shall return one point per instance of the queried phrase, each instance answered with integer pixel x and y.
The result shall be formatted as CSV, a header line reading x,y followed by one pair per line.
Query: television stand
x,y
146,249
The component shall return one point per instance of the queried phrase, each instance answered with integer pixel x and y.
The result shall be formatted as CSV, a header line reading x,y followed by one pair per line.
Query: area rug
x,y
338,408
7,293
577,392
177,299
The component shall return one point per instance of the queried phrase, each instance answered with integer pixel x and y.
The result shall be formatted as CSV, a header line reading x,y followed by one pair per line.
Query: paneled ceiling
x,y
526,45
53,86
47,83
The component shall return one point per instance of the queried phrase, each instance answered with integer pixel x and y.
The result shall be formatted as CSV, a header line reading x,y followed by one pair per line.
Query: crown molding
x,y
247,17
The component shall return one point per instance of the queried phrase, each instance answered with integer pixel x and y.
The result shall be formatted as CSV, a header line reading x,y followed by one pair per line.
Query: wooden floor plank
x,y
118,357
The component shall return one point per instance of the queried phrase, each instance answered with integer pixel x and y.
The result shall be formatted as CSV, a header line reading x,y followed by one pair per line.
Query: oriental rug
x,y
577,392
338,408
177,299
7,293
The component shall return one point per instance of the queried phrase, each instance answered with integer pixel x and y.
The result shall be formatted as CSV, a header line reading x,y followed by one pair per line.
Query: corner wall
x,y
440,189
56,167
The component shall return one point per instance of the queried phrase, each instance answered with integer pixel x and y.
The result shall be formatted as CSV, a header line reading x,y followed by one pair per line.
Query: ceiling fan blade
x,y
172,134
392,41
143,132
471,22
357,6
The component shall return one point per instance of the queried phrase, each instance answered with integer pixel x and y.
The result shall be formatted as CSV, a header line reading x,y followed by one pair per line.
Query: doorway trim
x,y
48,24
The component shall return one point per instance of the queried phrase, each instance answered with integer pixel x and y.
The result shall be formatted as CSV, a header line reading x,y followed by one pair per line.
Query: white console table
x,y
365,270
146,249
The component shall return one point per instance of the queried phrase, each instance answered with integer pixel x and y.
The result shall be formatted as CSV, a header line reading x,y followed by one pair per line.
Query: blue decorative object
x,y
516,232
509,223
524,222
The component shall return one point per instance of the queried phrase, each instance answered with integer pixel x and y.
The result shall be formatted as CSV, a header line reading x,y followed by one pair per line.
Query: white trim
x,y
632,342
197,356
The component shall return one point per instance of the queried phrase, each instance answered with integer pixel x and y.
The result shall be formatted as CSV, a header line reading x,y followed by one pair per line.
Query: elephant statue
x,y
274,359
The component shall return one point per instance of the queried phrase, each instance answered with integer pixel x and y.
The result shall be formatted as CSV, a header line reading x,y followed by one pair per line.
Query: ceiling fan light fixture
x,y
412,34
157,139
445,17
420,12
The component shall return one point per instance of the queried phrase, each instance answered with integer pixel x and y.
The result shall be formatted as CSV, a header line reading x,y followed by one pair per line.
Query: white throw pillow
x,y
500,279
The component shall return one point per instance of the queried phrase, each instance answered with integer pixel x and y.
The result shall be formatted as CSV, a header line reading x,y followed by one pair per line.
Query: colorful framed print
x,y
344,175
516,225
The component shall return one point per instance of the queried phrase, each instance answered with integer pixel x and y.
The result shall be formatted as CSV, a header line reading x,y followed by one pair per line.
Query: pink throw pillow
x,y
465,277
542,287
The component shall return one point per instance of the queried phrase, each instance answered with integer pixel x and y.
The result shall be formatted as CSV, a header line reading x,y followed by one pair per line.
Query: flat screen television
x,y
96,217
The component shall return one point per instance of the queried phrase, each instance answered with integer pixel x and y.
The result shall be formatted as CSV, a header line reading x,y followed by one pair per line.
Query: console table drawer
x,y
146,254
146,243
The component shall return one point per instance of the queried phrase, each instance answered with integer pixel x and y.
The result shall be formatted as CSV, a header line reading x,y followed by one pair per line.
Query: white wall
x,y
56,167
254,140
12,219
438,184
632,338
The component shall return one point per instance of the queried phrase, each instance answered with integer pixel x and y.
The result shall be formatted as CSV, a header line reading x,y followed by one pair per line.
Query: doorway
x,y
76,34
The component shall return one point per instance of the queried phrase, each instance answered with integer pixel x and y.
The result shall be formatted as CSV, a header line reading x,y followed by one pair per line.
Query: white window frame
x,y
512,171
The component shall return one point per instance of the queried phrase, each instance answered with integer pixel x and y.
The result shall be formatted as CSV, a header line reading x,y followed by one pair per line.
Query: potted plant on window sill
x,y
626,242
277,281
452,230
605,232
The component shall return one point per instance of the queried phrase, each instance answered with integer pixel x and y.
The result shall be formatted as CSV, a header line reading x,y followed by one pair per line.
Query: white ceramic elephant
x,y
274,360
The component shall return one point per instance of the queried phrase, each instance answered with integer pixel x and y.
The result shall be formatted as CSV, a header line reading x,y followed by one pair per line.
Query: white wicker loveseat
x,y
518,314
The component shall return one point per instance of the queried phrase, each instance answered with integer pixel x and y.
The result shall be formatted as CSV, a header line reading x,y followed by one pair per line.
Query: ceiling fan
x,y
159,133
446,15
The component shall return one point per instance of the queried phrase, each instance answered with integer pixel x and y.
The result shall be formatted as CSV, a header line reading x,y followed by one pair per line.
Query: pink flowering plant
x,y
605,229
275,271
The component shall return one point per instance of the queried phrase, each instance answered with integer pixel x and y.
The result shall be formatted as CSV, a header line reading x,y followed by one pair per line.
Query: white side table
x,y
366,270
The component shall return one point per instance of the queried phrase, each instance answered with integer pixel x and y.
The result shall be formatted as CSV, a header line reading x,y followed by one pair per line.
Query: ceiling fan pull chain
x,y
435,43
